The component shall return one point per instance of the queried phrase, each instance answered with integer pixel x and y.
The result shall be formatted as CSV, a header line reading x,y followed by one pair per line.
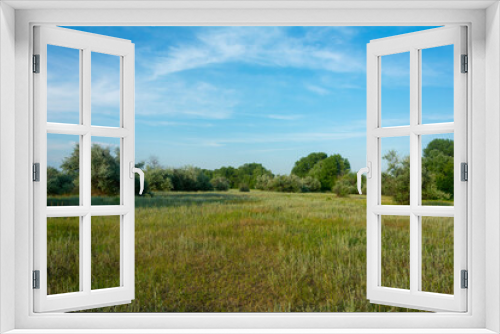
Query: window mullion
x,y
414,171
85,149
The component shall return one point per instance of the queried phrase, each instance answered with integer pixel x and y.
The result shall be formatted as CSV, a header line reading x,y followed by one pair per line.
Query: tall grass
x,y
258,252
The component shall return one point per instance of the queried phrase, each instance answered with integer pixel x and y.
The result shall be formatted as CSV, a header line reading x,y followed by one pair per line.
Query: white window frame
x,y
484,82
86,44
414,43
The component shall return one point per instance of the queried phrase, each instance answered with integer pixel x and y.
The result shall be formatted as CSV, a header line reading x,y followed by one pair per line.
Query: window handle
x,y
368,171
134,170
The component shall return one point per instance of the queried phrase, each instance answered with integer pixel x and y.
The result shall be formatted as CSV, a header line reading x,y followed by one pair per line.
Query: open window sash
x,y
85,297
415,297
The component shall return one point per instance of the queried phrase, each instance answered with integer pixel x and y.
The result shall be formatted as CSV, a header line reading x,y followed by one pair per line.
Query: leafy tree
x,y
249,172
158,179
446,146
105,170
59,183
396,179
230,173
438,160
71,165
328,170
220,183
190,178
305,164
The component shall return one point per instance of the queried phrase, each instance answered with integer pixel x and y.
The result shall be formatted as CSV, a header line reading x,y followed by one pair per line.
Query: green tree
x,y
230,173
71,165
220,183
305,164
249,172
310,184
328,170
438,160
105,170
396,178
59,183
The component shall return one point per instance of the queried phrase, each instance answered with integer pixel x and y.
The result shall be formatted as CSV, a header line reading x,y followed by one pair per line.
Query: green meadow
x,y
249,252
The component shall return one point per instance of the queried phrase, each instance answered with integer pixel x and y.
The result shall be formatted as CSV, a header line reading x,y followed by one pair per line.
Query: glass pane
x,y
437,169
105,171
105,252
395,164
63,170
63,85
437,254
63,255
437,84
105,90
395,89
396,252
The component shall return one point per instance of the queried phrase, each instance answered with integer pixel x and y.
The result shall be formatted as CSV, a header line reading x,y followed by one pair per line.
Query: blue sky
x,y
218,96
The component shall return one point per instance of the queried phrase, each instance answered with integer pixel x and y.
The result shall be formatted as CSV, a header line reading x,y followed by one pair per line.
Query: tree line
x,y
314,173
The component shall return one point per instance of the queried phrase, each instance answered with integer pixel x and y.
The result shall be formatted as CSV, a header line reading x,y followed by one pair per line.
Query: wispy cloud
x,y
191,100
157,123
317,89
305,137
265,46
285,117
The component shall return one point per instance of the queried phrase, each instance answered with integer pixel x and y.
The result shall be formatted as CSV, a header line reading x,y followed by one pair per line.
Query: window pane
x,y
105,90
63,85
105,171
395,170
396,252
437,254
105,252
395,89
437,84
63,170
63,254
437,169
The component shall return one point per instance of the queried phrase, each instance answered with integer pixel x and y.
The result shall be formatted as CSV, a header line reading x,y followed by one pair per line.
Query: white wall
x,y
7,159
492,146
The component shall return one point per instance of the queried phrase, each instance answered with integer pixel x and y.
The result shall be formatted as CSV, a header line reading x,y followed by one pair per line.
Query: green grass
x,y
254,252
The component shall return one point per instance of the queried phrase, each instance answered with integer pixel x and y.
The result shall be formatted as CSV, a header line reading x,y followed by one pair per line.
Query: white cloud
x,y
280,138
317,89
285,117
179,99
265,46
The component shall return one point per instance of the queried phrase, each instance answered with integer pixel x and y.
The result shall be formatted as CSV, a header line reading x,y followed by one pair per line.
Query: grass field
x,y
250,252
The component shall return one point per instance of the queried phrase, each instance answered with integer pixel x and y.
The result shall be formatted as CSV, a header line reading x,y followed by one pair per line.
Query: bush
x,y
310,184
158,179
244,188
220,183
286,183
343,187
264,182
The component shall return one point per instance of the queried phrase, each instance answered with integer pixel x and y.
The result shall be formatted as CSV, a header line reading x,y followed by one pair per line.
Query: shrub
x,y
287,183
244,188
220,183
310,184
264,182
343,187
